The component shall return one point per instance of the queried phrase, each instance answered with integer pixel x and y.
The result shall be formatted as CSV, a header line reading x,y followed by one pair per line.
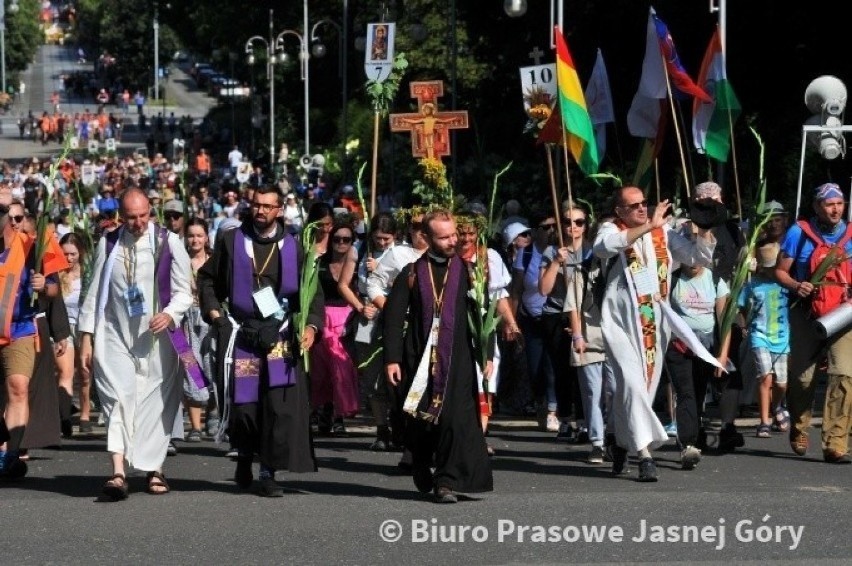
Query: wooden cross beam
x,y
429,127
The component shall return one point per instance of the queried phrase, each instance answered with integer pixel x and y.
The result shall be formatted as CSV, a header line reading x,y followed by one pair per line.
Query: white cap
x,y
512,231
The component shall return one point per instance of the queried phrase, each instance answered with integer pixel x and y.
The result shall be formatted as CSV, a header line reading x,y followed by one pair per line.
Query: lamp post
x,y
304,62
13,7
318,50
156,49
275,48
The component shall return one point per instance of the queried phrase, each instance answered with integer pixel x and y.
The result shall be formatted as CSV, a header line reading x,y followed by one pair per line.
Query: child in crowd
x,y
763,304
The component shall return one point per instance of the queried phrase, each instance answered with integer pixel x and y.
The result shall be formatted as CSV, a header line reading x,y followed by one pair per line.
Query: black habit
x,y
277,427
455,445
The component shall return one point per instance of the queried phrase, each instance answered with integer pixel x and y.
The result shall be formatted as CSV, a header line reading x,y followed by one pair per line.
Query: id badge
x,y
135,301
266,301
646,281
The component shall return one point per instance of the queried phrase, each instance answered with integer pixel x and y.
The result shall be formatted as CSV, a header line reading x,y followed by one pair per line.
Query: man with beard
x,y
795,269
435,363
255,270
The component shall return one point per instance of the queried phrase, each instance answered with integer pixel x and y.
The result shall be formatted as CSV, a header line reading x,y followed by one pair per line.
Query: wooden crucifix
x,y
429,127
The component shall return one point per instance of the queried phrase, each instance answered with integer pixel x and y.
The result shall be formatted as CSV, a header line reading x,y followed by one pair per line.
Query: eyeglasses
x,y
576,221
17,219
342,240
264,207
547,227
172,215
636,205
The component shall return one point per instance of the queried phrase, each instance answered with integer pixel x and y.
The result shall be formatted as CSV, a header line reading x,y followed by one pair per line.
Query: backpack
x,y
833,289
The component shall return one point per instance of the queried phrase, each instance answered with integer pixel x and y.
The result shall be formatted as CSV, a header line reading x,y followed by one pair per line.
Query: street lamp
x,y
304,63
270,67
13,7
275,51
318,50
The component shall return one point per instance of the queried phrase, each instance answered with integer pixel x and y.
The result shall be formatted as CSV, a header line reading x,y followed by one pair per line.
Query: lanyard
x,y
439,298
265,264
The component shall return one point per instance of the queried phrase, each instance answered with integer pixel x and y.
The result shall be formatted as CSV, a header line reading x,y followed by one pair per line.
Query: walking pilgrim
x,y
636,317
139,292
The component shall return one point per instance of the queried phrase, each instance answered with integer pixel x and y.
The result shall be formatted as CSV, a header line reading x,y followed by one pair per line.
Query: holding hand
x,y
37,281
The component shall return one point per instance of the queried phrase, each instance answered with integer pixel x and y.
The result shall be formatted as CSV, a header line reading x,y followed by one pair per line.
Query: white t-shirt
x,y
235,158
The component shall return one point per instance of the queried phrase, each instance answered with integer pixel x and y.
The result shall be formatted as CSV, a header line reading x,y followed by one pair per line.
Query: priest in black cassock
x,y
434,361
249,292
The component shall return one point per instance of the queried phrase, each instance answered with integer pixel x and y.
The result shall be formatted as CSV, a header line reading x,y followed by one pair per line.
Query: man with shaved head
x,y
635,314
139,292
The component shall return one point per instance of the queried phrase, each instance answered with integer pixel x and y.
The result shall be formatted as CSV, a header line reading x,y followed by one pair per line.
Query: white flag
x,y
599,102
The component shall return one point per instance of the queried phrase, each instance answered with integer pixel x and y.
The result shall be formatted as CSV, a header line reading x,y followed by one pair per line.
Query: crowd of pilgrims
x,y
550,360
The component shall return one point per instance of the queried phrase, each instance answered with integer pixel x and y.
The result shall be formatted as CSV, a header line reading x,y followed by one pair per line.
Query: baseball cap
x,y
772,207
173,206
153,194
513,230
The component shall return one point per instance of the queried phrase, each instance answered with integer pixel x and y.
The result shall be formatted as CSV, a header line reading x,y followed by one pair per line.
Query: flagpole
x,y
677,131
682,122
657,178
554,196
736,169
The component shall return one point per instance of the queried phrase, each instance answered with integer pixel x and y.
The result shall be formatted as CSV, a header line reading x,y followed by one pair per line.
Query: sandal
x,y
116,487
782,420
157,484
764,430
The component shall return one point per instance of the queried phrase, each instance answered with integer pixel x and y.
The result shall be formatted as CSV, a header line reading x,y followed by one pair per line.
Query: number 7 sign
x,y
378,57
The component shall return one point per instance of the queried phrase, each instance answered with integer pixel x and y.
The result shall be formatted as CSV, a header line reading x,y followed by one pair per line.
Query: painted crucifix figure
x,y
429,127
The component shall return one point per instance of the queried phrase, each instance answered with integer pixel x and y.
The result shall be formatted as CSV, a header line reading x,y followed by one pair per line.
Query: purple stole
x,y
440,369
280,363
163,274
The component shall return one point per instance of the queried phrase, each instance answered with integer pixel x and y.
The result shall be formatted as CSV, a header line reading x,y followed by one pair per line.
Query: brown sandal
x,y
157,480
114,489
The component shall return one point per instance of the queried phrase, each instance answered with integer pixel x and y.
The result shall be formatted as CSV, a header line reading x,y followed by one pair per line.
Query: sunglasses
x,y
636,205
17,219
172,215
547,227
576,221
342,240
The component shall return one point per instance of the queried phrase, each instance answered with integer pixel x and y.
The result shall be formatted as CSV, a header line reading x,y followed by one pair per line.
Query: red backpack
x,y
833,289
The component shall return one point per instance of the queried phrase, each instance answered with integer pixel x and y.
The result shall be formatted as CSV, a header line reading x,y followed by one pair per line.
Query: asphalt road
x,y
338,515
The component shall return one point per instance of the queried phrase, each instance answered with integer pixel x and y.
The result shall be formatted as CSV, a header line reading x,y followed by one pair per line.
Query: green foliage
x,y
23,36
383,93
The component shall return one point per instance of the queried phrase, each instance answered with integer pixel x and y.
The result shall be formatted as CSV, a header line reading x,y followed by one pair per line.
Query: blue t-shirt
x,y
769,325
531,299
799,247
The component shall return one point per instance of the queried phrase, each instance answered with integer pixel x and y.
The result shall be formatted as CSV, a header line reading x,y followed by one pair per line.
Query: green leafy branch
x,y
383,93
482,320
44,220
308,284
494,194
741,273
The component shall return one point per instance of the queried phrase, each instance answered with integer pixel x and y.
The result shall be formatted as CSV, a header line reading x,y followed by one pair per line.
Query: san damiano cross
x,y
430,128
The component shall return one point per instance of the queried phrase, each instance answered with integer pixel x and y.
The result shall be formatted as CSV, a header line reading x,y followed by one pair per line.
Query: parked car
x,y
231,88
213,82
197,68
203,77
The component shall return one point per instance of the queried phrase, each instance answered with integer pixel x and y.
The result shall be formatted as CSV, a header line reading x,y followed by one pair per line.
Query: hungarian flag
x,y
580,134
712,121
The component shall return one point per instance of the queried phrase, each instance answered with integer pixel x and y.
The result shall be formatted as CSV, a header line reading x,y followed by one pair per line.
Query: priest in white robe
x,y
639,253
126,345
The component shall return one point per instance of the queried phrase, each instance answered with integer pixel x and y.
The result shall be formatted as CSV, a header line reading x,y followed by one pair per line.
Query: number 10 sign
x,y
378,55
538,78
